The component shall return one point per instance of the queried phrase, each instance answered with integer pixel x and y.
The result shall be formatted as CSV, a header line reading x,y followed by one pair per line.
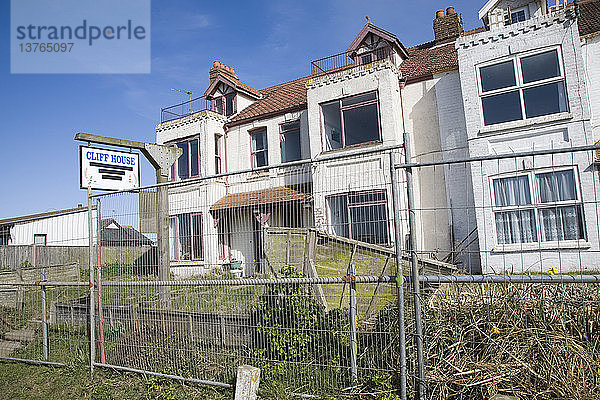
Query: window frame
x,y
347,195
40,235
174,170
175,217
282,134
536,203
253,153
218,154
519,85
342,127
525,9
223,99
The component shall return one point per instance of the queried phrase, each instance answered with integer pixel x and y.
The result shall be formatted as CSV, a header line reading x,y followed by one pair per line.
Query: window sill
x,y
184,263
532,247
526,122
355,147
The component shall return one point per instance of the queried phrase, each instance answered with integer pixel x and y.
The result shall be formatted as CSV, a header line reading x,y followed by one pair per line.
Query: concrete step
x,y
21,335
7,347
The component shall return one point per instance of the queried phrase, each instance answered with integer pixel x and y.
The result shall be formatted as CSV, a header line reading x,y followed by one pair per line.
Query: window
x,y
259,148
360,216
39,239
188,165
517,15
538,207
351,121
218,165
380,53
185,237
523,87
290,141
225,105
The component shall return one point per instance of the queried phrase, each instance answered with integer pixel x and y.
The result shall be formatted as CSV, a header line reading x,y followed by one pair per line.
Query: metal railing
x,y
345,59
184,109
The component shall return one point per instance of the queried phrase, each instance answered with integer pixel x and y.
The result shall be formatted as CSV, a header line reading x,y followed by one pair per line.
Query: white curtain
x,y
557,186
561,223
516,227
513,191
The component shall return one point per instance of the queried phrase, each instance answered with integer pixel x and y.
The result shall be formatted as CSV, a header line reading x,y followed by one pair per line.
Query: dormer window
x,y
517,15
225,105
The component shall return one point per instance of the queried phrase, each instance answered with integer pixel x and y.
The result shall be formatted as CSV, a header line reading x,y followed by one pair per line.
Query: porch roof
x,y
260,197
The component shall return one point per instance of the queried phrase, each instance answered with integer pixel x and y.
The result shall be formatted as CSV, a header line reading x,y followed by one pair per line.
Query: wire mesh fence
x,y
350,274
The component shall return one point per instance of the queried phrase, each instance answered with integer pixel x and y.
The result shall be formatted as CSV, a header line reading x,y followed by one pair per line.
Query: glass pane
x,y
562,223
501,108
361,98
557,186
361,198
260,158
361,125
516,227
497,76
259,140
540,66
545,99
365,59
229,102
513,191
338,215
290,126
218,105
369,224
290,146
197,236
332,125
182,162
518,16
185,237
195,159
173,238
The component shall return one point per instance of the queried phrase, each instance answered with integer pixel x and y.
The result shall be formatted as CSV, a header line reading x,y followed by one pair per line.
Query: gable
x,y
372,37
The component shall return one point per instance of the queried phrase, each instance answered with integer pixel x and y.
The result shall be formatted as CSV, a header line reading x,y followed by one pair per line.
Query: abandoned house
x,y
523,81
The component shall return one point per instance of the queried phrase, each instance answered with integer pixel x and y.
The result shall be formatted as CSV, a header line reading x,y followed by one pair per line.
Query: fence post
x,y
44,317
162,194
399,275
353,322
414,270
91,268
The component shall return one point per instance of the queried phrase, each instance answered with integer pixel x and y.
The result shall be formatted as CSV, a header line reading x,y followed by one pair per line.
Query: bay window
x,y
260,157
290,141
360,216
185,237
351,121
522,87
538,207
188,164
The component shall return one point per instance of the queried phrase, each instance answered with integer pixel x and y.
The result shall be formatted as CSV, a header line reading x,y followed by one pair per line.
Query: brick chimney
x,y
447,26
220,68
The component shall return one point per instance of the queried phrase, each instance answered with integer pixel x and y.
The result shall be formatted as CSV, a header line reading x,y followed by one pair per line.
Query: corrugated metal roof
x,y
260,197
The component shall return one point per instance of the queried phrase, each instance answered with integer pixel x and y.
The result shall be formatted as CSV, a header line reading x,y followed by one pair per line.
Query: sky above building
x,y
267,42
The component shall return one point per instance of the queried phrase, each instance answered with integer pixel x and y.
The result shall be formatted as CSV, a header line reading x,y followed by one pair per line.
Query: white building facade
x,y
445,94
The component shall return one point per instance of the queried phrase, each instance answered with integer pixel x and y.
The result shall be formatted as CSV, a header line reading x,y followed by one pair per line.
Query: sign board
x,y
103,169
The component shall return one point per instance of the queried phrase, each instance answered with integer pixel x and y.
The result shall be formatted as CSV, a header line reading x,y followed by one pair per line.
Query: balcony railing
x,y
184,109
342,60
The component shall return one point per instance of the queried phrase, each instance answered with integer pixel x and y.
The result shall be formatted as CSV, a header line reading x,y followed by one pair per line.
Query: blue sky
x,y
267,42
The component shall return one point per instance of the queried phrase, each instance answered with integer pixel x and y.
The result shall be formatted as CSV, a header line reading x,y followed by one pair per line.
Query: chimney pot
x,y
216,64
450,10
440,14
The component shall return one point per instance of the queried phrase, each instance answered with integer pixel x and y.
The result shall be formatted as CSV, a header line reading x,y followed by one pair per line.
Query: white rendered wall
x,y
590,51
555,131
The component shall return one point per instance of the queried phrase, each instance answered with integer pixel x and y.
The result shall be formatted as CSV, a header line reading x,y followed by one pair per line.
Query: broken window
x,y
290,141
351,121
360,216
